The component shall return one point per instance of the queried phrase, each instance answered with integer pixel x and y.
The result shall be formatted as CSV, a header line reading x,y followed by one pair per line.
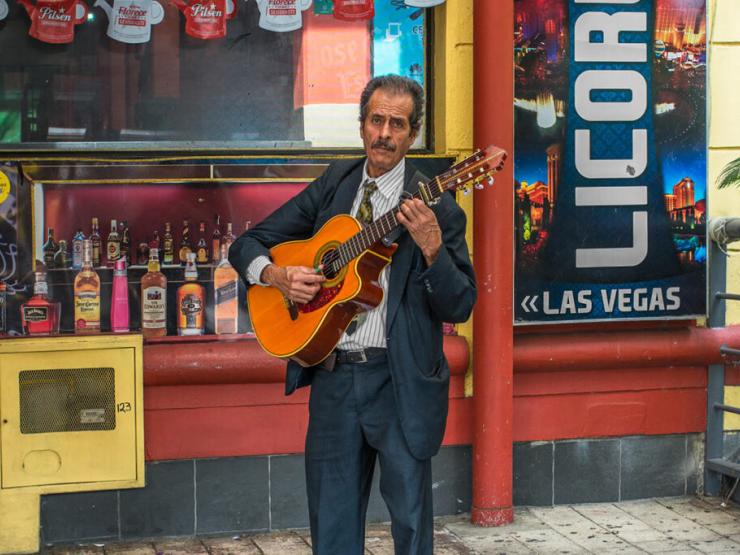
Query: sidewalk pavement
x,y
675,525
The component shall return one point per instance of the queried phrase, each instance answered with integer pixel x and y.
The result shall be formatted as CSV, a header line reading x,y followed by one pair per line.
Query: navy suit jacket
x,y
420,298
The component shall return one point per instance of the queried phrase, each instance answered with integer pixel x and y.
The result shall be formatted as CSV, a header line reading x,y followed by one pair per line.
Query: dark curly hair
x,y
397,85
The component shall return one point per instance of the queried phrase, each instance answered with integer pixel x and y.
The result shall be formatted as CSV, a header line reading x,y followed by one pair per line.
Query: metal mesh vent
x,y
67,400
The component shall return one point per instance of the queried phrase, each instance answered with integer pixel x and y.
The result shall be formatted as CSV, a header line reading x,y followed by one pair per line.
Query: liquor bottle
x,y
61,257
142,253
40,315
50,249
168,245
225,286
184,243
216,240
201,249
87,294
97,242
228,236
155,243
153,299
119,299
125,241
77,240
191,301
113,244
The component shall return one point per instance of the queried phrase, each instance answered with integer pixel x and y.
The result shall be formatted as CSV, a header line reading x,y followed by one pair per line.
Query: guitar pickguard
x,y
322,298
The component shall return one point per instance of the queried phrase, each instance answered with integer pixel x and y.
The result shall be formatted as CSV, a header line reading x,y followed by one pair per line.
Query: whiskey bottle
x,y
185,247
153,298
77,240
125,241
225,285
191,301
40,315
96,241
228,236
201,249
61,257
155,242
216,240
168,245
142,253
113,244
50,249
87,294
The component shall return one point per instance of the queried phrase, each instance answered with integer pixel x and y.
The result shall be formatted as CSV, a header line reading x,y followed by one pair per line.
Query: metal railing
x,y
717,468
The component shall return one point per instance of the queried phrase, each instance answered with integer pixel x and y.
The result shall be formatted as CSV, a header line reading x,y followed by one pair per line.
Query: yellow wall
x,y
452,72
724,139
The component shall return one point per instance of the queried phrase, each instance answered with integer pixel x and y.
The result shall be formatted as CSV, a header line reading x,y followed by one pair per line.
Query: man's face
x,y
386,132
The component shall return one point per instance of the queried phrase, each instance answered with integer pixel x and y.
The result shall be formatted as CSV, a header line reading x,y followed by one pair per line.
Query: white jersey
x,y
3,9
282,15
423,3
131,20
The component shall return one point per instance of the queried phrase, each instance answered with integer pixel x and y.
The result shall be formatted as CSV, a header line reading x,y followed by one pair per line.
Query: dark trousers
x,y
353,420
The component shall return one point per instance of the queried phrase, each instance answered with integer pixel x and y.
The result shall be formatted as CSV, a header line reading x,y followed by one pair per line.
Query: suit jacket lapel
x,y
346,191
401,262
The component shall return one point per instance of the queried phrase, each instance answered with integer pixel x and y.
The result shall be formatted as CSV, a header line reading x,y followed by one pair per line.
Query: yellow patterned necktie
x,y
365,216
365,211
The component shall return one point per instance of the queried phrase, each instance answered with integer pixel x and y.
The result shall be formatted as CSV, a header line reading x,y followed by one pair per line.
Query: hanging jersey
x,y
206,19
282,15
131,20
54,21
352,10
423,3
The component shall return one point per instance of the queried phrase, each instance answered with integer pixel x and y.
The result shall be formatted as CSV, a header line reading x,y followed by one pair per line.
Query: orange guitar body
x,y
309,333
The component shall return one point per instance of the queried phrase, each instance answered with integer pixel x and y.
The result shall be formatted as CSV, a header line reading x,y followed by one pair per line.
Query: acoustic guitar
x,y
351,258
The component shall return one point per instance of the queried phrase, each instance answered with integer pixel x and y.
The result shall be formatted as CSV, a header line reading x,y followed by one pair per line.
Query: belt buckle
x,y
362,355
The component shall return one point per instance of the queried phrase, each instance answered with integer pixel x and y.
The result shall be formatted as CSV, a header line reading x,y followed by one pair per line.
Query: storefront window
x,y
133,74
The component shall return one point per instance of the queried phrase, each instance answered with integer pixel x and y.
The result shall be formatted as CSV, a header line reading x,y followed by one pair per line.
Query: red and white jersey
x,y
352,10
423,3
131,21
54,20
282,15
206,19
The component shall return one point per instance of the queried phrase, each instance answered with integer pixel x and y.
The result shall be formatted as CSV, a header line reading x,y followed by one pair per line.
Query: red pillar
x,y
493,256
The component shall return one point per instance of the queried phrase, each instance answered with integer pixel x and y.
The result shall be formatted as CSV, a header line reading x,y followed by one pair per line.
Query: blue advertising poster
x,y
610,160
398,40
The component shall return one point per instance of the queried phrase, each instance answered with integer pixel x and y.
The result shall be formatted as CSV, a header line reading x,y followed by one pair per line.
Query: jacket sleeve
x,y
450,280
294,220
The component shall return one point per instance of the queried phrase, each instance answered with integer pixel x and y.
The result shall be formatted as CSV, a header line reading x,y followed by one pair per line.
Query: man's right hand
x,y
298,283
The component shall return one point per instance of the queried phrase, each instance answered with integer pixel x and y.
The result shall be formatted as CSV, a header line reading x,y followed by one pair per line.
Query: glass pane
x,y
135,74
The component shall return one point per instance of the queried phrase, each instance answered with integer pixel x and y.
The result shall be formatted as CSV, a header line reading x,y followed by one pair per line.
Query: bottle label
x,y
96,253
87,311
226,292
202,255
77,254
191,308
154,308
36,313
114,250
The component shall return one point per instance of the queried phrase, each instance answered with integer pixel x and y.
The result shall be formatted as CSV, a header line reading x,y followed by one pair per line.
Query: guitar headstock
x,y
474,170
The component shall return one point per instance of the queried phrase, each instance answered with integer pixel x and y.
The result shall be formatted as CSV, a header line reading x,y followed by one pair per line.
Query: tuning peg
x,y
465,191
490,180
478,185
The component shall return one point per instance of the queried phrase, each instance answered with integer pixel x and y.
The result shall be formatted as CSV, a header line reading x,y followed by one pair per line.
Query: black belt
x,y
359,355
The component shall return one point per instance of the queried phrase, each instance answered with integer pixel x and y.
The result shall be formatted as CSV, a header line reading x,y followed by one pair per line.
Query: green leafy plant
x,y
730,175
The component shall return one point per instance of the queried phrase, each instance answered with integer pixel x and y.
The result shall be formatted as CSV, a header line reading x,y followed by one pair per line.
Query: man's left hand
x,y
421,222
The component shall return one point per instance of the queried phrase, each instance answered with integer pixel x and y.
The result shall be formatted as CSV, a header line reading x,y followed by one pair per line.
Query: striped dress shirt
x,y
371,331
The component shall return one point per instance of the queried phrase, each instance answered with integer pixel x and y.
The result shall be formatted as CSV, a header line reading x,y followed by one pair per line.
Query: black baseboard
x,y
249,494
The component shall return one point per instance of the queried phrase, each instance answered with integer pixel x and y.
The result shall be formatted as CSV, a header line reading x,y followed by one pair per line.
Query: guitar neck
x,y
372,233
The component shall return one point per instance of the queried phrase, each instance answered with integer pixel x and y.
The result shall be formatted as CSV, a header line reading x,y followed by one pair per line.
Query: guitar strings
x,y
367,236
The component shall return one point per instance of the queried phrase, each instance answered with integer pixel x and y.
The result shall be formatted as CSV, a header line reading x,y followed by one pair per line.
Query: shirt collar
x,y
390,183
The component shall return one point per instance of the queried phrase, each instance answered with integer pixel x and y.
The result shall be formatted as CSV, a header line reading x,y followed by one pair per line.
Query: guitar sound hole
x,y
330,264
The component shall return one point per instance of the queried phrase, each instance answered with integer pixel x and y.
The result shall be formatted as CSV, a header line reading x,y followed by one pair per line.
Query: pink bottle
x,y
119,298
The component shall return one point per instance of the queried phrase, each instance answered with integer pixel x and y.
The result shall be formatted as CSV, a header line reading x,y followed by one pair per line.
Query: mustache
x,y
382,143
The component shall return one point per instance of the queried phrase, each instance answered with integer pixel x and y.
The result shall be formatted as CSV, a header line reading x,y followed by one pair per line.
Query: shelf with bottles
x,y
213,298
